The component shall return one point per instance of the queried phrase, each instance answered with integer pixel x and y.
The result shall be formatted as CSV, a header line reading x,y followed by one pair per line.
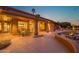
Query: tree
x,y
65,24
33,11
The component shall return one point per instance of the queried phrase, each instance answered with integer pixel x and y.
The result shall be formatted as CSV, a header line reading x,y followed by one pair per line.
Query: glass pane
x,y
41,26
22,25
6,27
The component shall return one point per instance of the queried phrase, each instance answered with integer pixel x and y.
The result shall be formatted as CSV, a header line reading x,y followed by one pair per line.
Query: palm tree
x,y
33,11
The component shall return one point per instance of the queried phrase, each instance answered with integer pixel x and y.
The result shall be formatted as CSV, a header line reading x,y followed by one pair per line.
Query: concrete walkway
x,y
45,44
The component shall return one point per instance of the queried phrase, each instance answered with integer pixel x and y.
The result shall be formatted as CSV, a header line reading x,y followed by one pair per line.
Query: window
x,y
6,18
22,25
32,26
6,27
42,26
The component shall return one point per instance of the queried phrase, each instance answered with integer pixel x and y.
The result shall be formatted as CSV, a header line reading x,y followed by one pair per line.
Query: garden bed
x,y
4,43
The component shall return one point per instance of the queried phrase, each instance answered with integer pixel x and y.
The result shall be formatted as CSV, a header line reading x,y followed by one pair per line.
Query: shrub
x,y
4,43
25,33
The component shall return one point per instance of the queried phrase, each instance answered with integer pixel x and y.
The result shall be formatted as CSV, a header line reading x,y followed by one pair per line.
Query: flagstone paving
x,y
45,44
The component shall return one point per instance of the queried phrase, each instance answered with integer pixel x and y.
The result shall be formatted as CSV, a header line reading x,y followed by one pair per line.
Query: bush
x,y
4,43
25,33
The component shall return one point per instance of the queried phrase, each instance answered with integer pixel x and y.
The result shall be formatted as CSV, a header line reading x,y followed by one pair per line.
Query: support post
x,y
36,25
2,26
14,26
46,26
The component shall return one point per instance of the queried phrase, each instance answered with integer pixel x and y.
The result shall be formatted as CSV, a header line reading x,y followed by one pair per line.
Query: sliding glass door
x,y
6,27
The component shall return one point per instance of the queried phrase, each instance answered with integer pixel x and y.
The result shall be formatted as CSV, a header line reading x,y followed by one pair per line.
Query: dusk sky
x,y
56,13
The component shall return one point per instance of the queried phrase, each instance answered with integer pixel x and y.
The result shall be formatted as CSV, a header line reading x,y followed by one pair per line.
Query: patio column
x,y
36,24
46,26
28,28
51,27
2,26
14,26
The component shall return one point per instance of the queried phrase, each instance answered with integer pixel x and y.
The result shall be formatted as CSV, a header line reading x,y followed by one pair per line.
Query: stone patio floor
x,y
45,44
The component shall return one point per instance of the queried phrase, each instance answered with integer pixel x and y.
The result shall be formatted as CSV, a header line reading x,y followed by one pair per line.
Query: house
x,y
13,21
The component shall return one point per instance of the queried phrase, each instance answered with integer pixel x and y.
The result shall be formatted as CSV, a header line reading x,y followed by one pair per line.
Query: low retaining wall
x,y
68,43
